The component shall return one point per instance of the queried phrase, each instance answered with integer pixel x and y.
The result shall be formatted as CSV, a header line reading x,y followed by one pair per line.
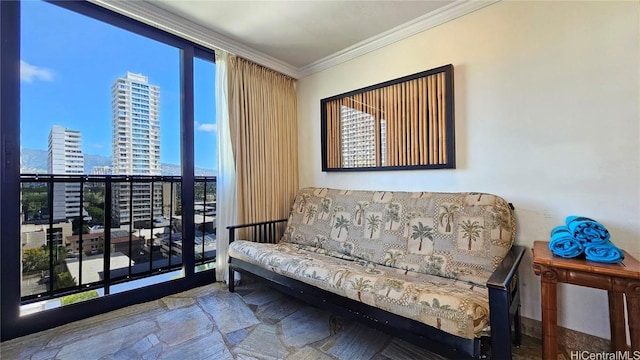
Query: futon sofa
x,y
437,269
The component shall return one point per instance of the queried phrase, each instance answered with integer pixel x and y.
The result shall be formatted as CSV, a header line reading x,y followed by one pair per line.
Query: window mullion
x,y
187,160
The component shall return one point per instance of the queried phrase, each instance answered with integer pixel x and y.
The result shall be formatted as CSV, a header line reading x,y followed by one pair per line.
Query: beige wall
x,y
547,112
35,236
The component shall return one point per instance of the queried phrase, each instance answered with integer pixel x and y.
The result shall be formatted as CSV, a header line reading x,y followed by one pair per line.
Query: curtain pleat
x,y
226,199
265,141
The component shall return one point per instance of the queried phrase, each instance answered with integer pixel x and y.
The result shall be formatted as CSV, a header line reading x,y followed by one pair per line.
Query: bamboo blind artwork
x,y
405,123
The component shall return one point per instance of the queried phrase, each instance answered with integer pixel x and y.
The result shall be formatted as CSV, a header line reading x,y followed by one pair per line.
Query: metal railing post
x,y
107,237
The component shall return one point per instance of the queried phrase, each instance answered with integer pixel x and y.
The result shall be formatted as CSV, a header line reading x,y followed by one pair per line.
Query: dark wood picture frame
x,y
401,124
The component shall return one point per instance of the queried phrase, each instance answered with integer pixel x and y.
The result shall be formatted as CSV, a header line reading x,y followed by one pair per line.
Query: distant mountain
x,y
34,161
90,161
174,170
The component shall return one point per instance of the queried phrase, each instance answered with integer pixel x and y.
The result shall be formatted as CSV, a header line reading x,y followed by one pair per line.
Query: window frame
x,y
13,325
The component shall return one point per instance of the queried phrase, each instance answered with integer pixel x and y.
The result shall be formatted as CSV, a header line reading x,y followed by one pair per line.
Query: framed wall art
x,y
401,124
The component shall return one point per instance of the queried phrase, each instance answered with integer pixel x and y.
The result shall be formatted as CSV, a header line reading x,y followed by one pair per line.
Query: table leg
x,y
617,322
549,316
633,309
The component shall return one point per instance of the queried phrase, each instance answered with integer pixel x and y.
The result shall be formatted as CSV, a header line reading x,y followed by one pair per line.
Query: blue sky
x,y
68,65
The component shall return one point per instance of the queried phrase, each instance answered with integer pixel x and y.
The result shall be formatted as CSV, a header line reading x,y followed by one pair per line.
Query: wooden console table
x,y
619,280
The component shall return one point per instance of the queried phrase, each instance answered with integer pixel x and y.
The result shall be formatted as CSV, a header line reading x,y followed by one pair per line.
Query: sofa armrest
x,y
504,304
507,270
264,232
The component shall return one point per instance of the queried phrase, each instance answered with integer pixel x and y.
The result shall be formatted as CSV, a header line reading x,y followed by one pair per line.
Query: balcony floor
x,y
211,323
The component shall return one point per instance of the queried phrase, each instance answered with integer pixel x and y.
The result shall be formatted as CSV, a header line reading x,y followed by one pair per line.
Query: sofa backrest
x,y
455,235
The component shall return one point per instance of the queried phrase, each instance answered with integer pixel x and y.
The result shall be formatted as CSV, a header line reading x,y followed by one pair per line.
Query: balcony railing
x,y
106,230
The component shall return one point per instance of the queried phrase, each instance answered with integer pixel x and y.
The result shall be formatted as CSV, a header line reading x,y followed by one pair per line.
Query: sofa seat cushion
x,y
457,307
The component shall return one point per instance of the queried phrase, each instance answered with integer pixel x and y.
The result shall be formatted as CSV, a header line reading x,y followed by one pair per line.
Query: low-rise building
x,y
35,236
171,244
94,243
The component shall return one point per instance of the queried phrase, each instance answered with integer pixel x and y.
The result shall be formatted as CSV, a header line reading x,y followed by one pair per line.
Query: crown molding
x,y
430,20
162,19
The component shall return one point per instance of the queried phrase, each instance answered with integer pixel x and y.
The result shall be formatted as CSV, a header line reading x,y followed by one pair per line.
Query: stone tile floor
x,y
256,322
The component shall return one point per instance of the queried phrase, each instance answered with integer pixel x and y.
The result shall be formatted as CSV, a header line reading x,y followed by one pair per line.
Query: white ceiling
x,y
299,32
297,38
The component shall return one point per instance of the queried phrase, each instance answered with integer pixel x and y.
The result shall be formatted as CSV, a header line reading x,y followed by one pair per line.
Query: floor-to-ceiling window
x,y
113,200
205,162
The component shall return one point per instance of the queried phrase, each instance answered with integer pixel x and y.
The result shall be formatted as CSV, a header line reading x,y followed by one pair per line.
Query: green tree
x,y
64,280
199,190
373,223
391,257
421,232
34,199
392,284
471,230
434,265
325,204
59,254
436,304
77,223
336,209
35,260
96,213
501,218
38,259
319,240
341,223
406,269
94,197
314,275
303,201
447,215
392,213
360,285
360,212
212,191
311,212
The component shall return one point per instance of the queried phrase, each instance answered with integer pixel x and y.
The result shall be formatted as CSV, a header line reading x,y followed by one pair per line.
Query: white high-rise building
x,y
101,170
65,158
136,145
358,138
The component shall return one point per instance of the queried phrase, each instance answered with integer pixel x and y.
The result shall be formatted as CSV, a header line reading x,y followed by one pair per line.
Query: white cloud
x,y
98,146
206,127
29,73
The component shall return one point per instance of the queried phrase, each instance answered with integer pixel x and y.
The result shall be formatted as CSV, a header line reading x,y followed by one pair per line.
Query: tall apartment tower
x,y
358,138
136,146
65,158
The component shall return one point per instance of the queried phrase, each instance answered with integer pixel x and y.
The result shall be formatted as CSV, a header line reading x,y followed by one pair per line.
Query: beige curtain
x,y
265,140
410,120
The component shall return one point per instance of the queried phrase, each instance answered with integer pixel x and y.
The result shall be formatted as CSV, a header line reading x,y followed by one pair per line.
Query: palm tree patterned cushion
x,y
423,255
457,307
460,236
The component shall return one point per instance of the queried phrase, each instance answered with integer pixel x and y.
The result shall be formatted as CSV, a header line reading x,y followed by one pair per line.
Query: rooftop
x,y
93,266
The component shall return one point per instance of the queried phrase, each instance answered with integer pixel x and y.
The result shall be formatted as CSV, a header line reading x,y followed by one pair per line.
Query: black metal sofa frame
x,y
504,304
